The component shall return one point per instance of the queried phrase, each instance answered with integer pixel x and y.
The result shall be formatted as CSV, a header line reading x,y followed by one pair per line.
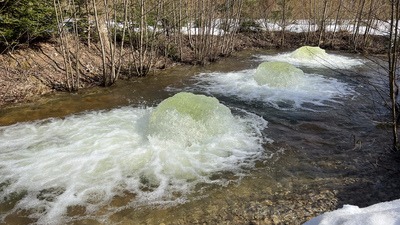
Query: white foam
x,y
310,89
331,61
88,159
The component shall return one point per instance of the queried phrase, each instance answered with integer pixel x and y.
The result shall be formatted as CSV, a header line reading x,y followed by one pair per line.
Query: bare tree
x,y
392,60
231,15
323,22
337,19
357,23
111,21
69,42
102,32
283,4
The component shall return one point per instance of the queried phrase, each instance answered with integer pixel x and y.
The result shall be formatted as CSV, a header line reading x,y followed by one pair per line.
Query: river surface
x,y
294,150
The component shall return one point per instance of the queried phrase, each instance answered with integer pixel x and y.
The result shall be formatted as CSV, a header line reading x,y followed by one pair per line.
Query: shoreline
x,y
295,202
28,74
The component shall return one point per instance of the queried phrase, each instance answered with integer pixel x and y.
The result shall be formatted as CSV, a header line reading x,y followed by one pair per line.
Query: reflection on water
x,y
313,150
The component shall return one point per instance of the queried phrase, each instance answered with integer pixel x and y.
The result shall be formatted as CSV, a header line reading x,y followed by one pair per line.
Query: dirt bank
x,y
27,74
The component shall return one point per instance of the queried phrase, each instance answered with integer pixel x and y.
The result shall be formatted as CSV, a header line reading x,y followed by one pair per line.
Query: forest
x,y
130,35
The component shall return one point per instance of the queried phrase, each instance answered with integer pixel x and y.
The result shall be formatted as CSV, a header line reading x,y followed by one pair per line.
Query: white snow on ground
x,y
385,213
218,26
378,27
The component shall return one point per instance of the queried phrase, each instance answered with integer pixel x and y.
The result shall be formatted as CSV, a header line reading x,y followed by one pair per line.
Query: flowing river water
x,y
262,154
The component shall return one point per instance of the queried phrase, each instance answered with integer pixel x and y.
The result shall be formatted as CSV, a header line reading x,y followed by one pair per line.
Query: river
x,y
293,151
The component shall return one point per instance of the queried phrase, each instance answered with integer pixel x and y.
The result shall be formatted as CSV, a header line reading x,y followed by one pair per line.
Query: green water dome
x,y
308,53
193,117
278,74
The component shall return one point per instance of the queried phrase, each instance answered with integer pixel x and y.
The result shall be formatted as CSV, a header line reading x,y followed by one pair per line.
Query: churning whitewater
x,y
278,82
156,154
306,91
314,57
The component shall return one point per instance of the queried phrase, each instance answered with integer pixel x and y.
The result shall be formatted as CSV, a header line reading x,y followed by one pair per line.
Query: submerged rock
x,y
277,74
308,53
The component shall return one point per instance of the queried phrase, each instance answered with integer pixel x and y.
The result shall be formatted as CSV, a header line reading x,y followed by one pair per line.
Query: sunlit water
x,y
308,91
86,160
314,60
107,163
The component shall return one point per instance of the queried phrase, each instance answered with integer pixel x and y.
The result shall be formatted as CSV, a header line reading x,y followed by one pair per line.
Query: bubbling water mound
x,y
309,53
309,91
190,117
314,57
146,156
278,74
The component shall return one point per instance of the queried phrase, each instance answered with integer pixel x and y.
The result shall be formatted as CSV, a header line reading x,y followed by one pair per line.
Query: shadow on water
x,y
320,159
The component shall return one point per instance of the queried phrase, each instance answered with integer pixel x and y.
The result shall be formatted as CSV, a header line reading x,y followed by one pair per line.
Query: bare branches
x,y
392,59
67,42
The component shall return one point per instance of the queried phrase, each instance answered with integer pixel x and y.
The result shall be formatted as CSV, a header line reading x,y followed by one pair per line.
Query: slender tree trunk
x,y
71,66
225,40
322,23
121,51
337,19
89,27
357,24
112,37
180,41
283,22
392,69
368,25
307,15
61,34
77,43
142,32
104,42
